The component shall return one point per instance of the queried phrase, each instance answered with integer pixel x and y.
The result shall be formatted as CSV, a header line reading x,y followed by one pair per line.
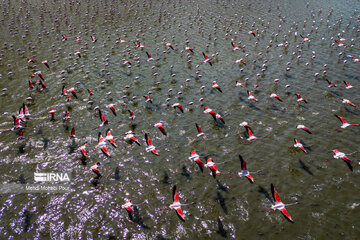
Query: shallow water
x,y
226,207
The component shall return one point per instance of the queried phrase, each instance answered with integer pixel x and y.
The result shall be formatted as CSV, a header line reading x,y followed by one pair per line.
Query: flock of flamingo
x,y
37,84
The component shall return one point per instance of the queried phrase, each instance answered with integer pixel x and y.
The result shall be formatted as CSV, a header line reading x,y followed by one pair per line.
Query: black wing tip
x,y
173,191
272,190
349,165
182,219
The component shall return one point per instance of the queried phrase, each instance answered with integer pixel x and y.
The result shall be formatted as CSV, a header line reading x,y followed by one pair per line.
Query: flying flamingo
x,y
305,39
102,118
300,126
273,95
330,84
83,150
95,169
150,147
200,132
279,205
244,172
214,114
348,85
110,138
132,116
215,85
130,136
234,46
190,49
211,164
178,105
343,156
300,99
239,61
45,62
252,33
72,135
251,97
344,123
299,145
207,59
149,57
160,126
347,101
112,108
196,158
102,145
176,205
250,134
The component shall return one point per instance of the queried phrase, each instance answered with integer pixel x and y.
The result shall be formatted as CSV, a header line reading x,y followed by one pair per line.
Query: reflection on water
x,y
277,60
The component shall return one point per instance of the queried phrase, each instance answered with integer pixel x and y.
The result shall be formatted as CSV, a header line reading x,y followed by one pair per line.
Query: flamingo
x,y
348,85
273,95
102,118
250,134
110,138
148,99
215,85
66,116
90,92
344,123
305,39
132,116
251,97
176,205
30,60
245,125
112,108
45,62
52,112
211,164
178,105
83,150
200,132
240,61
341,44
102,145
300,126
149,57
347,101
160,126
72,135
354,59
72,90
214,114
150,147
244,172
169,45
279,205
252,33
196,158
128,208
17,124
234,46
130,136
95,169
300,99
189,49
78,53
330,84
343,156
299,145
207,59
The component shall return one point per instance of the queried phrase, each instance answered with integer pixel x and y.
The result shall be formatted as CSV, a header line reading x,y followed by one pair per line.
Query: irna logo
x,y
51,177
